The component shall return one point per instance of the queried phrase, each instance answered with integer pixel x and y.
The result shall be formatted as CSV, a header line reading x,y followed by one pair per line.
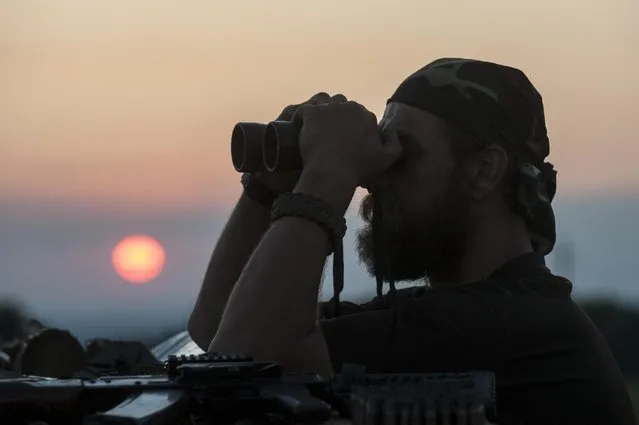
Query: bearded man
x,y
457,172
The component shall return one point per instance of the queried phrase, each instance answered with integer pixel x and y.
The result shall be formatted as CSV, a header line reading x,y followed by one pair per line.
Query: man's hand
x,y
285,181
242,233
341,149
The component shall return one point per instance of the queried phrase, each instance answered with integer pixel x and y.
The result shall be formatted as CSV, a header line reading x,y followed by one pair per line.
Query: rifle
x,y
234,389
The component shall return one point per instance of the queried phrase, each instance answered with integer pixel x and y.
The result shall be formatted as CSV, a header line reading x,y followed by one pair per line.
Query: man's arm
x,y
272,310
271,313
240,236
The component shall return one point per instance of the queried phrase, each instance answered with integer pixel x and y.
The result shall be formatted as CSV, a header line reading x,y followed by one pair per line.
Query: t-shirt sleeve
x,y
440,333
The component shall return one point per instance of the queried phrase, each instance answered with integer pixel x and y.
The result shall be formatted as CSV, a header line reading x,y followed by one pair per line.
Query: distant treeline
x,y
619,326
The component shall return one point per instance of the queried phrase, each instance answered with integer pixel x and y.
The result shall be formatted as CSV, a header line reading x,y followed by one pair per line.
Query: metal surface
x,y
180,344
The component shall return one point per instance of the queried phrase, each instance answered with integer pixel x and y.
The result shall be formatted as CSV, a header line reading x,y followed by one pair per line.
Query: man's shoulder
x,y
420,329
475,297
417,298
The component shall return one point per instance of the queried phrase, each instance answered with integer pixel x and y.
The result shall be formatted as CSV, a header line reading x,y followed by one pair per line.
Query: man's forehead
x,y
426,128
398,113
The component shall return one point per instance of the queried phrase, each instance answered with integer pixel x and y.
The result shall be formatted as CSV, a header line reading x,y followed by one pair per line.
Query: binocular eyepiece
x,y
268,147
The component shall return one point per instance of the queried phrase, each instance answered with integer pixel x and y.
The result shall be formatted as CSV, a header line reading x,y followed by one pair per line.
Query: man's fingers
x,y
322,103
289,112
338,98
303,111
318,98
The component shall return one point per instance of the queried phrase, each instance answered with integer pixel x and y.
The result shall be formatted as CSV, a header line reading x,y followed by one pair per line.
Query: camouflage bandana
x,y
498,104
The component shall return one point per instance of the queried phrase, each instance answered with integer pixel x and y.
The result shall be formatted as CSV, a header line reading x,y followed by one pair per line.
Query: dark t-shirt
x,y
552,365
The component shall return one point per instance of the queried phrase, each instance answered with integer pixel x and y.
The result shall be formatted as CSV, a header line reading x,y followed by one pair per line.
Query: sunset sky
x,y
115,119
131,103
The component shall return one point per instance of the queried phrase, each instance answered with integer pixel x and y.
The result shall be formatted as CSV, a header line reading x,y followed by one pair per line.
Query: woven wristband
x,y
322,213
258,191
311,208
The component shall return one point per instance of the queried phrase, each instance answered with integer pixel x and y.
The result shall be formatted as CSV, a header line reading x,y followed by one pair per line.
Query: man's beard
x,y
425,244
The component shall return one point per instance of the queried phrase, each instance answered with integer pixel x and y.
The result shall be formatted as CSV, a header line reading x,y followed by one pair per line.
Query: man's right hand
x,y
231,254
341,148
285,181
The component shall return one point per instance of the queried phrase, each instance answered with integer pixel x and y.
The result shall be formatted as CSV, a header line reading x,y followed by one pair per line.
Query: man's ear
x,y
487,171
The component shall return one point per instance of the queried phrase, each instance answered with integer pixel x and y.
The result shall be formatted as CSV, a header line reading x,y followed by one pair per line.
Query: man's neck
x,y
490,246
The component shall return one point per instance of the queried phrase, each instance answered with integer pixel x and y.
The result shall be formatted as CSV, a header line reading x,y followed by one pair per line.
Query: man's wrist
x,y
255,189
337,189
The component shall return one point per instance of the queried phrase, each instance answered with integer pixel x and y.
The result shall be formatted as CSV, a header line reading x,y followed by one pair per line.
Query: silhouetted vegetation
x,y
12,321
619,326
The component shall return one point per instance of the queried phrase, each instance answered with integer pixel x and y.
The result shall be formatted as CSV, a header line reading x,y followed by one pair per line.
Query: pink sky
x,y
132,102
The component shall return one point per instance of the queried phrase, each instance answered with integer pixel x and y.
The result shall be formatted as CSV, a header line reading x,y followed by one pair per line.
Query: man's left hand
x,y
341,148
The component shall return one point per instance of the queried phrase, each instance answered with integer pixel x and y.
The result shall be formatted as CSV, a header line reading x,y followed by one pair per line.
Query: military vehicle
x,y
189,386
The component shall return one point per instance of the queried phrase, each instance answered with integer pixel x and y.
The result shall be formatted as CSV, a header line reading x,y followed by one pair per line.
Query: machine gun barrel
x,y
146,408
228,389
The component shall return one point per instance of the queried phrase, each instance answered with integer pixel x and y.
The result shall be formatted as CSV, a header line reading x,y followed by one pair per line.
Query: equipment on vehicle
x,y
224,389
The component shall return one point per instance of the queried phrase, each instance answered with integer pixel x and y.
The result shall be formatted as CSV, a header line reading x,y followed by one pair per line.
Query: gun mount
x,y
231,389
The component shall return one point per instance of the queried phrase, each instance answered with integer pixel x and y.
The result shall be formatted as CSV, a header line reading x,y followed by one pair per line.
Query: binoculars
x,y
257,147
268,147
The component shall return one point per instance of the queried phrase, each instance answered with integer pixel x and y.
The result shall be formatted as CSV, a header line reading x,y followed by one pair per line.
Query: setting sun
x,y
138,259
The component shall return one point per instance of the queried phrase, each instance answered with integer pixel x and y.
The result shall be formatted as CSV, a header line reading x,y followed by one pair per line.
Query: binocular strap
x,y
380,259
338,276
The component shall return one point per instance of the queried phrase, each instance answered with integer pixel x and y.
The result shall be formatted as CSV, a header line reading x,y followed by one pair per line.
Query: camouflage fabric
x,y
498,104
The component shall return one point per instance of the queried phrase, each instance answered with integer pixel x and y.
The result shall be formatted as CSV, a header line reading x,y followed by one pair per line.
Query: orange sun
x,y
138,259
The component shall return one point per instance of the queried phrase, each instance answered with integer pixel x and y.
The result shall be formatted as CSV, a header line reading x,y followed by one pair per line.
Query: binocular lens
x,y
270,147
246,147
266,147
281,148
